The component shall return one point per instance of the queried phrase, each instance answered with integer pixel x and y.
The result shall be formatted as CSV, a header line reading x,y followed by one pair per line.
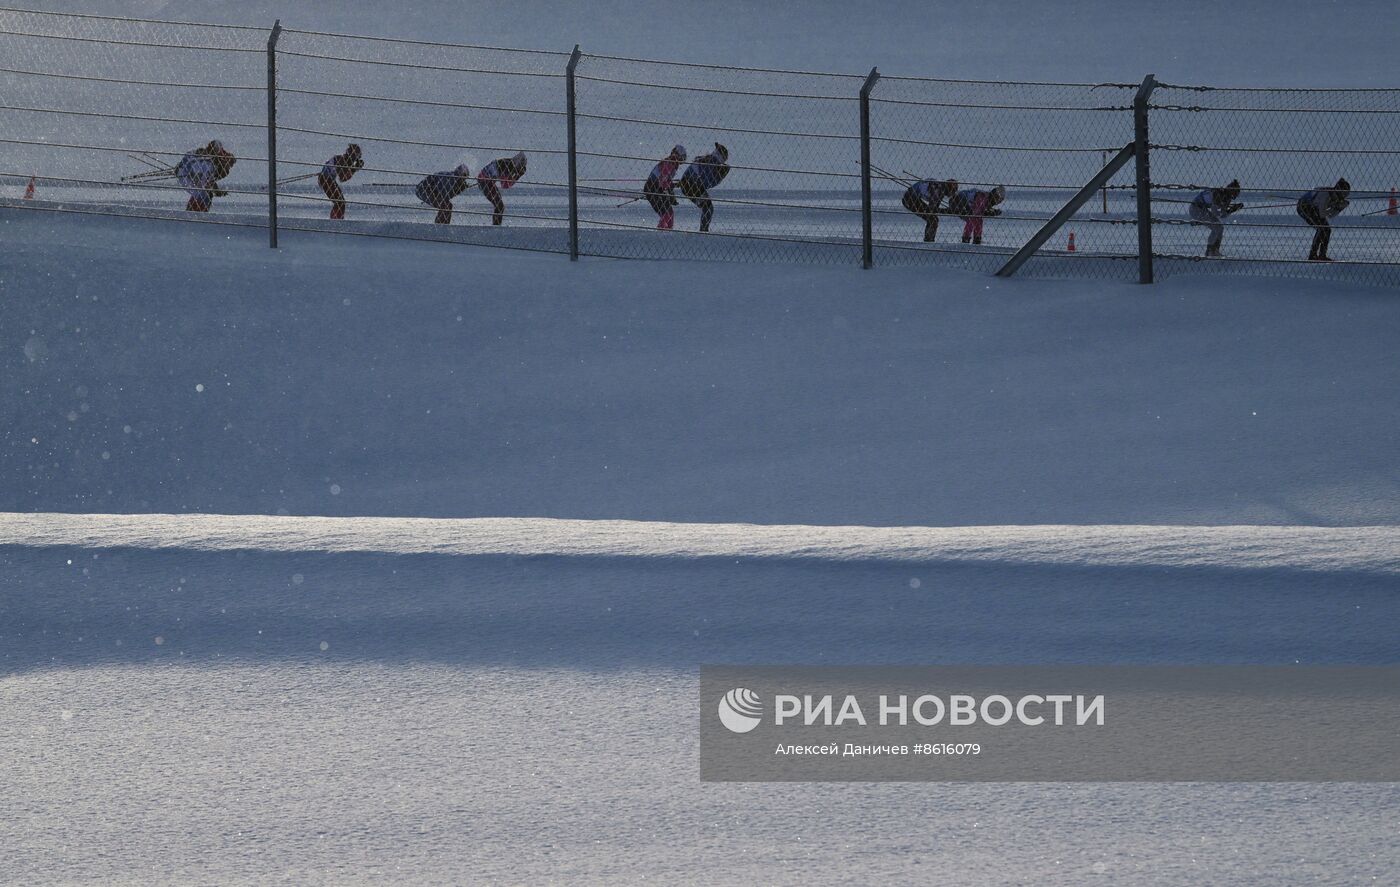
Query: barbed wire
x,y
1267,150
1235,110
1285,89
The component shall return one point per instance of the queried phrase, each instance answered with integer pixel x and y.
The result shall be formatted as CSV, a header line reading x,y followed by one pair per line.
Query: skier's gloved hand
x,y
993,212
1234,208
220,192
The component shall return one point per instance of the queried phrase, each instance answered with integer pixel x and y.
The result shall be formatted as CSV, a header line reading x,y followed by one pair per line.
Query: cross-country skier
x,y
660,187
972,205
1316,207
336,170
438,189
199,172
923,199
704,173
1212,207
195,172
498,176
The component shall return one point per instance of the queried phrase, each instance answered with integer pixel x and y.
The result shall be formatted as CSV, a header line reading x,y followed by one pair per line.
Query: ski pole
x,y
884,175
625,202
309,175
890,176
142,158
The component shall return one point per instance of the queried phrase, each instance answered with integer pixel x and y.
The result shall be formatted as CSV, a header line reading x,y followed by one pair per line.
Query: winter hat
x,y
1234,186
353,150
462,170
519,158
1343,185
216,145
998,194
678,152
721,151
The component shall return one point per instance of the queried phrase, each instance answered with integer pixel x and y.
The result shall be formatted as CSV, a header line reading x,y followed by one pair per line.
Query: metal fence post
x,y
866,232
272,133
1144,179
573,159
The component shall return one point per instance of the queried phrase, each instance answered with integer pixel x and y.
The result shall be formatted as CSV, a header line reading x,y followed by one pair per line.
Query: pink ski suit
x,y
972,225
660,185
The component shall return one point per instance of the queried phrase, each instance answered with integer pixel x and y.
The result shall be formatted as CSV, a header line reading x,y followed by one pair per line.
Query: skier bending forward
x,y
498,176
923,199
336,170
199,172
704,173
438,189
1212,207
661,185
1316,207
972,206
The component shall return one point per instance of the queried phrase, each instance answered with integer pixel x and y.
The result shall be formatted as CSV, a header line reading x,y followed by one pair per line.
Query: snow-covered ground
x,y
157,366
380,561
748,229
634,469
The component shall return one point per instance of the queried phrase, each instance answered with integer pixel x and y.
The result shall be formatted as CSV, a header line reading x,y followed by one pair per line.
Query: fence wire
x,y
87,102
1287,149
681,161
1030,146
768,169
416,108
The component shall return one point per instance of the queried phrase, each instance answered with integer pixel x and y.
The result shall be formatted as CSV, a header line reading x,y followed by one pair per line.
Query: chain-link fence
x,y
770,168
1022,150
635,158
413,109
94,110
1313,173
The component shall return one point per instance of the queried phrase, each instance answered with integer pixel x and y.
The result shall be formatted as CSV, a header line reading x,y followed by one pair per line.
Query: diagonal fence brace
x,y
1120,160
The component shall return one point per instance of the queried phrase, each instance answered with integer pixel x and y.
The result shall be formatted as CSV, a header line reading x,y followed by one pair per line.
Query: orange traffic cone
x,y
29,190
1070,248
1391,210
